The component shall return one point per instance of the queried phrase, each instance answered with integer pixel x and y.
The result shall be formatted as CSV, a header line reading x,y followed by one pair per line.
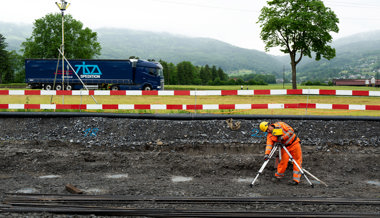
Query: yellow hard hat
x,y
264,126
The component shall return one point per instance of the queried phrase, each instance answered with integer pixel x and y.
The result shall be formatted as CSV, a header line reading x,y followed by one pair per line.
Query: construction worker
x,y
281,132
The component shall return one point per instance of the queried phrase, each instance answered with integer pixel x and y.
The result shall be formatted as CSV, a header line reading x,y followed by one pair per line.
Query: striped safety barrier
x,y
196,93
188,107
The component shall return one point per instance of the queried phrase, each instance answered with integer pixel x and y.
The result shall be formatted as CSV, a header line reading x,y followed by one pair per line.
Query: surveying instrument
x,y
280,146
279,133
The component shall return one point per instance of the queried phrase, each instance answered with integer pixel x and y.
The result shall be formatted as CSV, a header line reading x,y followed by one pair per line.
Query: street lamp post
x,y
63,6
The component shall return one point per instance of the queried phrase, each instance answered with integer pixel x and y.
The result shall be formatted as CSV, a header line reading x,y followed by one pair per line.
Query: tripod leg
x,y
278,158
315,177
295,162
264,165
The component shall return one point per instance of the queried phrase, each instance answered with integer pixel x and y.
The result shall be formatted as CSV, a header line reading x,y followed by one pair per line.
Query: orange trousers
x,y
296,152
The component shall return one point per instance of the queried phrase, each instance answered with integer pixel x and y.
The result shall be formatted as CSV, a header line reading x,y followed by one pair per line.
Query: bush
x,y
316,83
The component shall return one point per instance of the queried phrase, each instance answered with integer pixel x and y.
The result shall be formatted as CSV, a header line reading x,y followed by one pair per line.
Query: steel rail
x,y
106,205
177,212
106,199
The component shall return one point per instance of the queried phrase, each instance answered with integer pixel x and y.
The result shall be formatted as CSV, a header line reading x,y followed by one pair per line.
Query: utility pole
x,y
63,6
283,76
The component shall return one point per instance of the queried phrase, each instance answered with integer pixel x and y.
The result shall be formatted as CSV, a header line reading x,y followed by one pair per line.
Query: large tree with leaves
x,y
300,28
47,38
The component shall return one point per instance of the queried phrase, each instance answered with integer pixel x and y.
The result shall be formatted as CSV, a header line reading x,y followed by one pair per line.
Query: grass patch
x,y
300,112
13,86
198,100
231,87
191,100
270,86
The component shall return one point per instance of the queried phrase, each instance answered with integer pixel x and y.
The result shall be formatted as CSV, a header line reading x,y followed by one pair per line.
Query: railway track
x,y
176,206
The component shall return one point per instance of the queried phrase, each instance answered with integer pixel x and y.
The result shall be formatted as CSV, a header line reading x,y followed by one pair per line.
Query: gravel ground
x,y
138,157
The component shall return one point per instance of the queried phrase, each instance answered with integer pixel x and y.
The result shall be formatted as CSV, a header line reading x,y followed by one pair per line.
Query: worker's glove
x,y
266,157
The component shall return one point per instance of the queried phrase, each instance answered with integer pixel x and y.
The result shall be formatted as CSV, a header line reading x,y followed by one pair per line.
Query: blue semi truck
x,y
95,74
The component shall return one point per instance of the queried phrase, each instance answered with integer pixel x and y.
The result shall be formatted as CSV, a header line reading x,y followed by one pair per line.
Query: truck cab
x,y
148,75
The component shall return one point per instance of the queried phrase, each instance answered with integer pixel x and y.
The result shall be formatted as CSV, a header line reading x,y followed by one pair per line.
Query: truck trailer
x,y
95,74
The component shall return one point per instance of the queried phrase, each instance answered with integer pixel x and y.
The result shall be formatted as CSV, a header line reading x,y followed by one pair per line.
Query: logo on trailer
x,y
89,71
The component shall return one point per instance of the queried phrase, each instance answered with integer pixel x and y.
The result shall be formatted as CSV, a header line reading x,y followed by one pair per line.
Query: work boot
x,y
276,179
294,183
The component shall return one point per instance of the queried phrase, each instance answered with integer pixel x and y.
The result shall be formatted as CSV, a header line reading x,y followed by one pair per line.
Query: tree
x,y
186,73
299,27
173,76
170,74
4,59
17,67
239,81
8,76
231,82
223,76
47,38
205,74
165,69
214,73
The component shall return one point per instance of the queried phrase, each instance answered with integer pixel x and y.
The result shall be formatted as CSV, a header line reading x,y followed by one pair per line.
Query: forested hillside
x,y
357,56
122,43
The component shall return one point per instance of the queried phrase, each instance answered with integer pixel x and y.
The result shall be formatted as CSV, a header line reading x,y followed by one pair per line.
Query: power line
x,y
357,6
335,3
353,4
330,2
207,6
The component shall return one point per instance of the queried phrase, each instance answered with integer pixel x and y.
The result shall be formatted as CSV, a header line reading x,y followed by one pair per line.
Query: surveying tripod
x,y
276,146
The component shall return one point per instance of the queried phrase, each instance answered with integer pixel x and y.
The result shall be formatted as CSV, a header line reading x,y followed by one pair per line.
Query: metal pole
x,y
315,177
63,55
84,85
63,49
55,76
283,76
264,165
195,106
298,166
307,101
63,6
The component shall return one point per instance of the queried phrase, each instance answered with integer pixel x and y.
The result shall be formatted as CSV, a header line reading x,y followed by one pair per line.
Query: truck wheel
x,y
69,87
48,87
58,87
147,88
114,88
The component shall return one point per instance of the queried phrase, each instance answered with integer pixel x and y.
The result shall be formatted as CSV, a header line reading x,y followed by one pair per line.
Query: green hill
x,y
357,55
123,43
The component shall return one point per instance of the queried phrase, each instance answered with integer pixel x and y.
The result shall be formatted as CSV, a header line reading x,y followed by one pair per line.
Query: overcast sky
x,y
231,21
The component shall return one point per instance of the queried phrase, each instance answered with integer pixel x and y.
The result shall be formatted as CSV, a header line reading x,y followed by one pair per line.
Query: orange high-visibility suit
x,y
292,143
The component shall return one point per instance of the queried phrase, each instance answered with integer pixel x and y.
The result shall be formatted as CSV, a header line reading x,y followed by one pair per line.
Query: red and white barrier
x,y
197,93
187,107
